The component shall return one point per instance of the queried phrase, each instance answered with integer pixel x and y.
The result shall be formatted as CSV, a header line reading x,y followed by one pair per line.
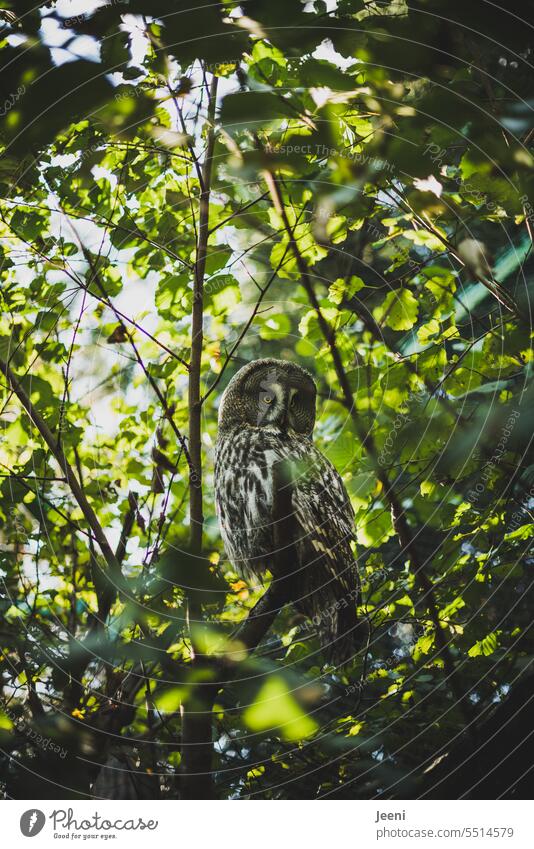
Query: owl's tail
x,y
343,636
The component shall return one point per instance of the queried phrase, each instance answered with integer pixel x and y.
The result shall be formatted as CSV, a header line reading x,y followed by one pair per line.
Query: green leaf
x,y
484,647
275,327
169,295
275,709
342,289
240,111
374,528
399,310
169,700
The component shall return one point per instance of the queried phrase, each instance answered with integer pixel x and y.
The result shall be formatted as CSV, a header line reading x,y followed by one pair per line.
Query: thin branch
x,y
72,480
127,526
237,212
197,718
197,316
244,331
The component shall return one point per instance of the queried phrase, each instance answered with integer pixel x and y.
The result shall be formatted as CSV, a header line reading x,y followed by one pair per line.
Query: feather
x,y
326,574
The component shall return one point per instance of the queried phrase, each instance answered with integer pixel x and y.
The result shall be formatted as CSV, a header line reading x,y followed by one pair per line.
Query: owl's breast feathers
x,y
244,463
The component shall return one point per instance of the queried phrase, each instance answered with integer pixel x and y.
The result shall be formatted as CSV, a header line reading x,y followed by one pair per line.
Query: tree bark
x,y
197,748
197,317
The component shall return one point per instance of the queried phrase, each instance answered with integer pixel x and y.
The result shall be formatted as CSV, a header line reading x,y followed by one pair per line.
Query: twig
x,y
244,331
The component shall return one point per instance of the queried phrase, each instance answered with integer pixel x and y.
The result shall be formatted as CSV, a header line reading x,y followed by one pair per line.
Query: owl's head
x,y
270,393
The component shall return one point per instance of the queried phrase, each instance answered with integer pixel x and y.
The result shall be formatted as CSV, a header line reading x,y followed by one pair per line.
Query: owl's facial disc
x,y
301,406
286,401
270,393
271,401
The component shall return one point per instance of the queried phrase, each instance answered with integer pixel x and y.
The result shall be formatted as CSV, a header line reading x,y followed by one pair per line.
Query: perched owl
x,y
266,418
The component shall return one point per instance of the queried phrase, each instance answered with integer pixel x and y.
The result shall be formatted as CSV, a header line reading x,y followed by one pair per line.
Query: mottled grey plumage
x,y
266,418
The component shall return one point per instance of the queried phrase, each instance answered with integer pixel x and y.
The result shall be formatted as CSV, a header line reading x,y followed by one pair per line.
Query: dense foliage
x,y
346,184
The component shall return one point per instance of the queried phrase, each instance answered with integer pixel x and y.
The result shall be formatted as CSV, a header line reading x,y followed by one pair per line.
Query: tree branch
x,y
197,780
399,517
197,316
72,480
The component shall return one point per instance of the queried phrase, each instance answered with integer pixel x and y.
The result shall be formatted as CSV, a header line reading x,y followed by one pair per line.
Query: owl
x,y
266,418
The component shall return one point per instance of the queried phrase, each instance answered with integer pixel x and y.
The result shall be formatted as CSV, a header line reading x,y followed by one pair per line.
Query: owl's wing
x,y
325,515
327,578
326,573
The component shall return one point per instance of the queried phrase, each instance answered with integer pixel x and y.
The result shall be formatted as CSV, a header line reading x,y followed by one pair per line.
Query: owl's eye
x,y
268,399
